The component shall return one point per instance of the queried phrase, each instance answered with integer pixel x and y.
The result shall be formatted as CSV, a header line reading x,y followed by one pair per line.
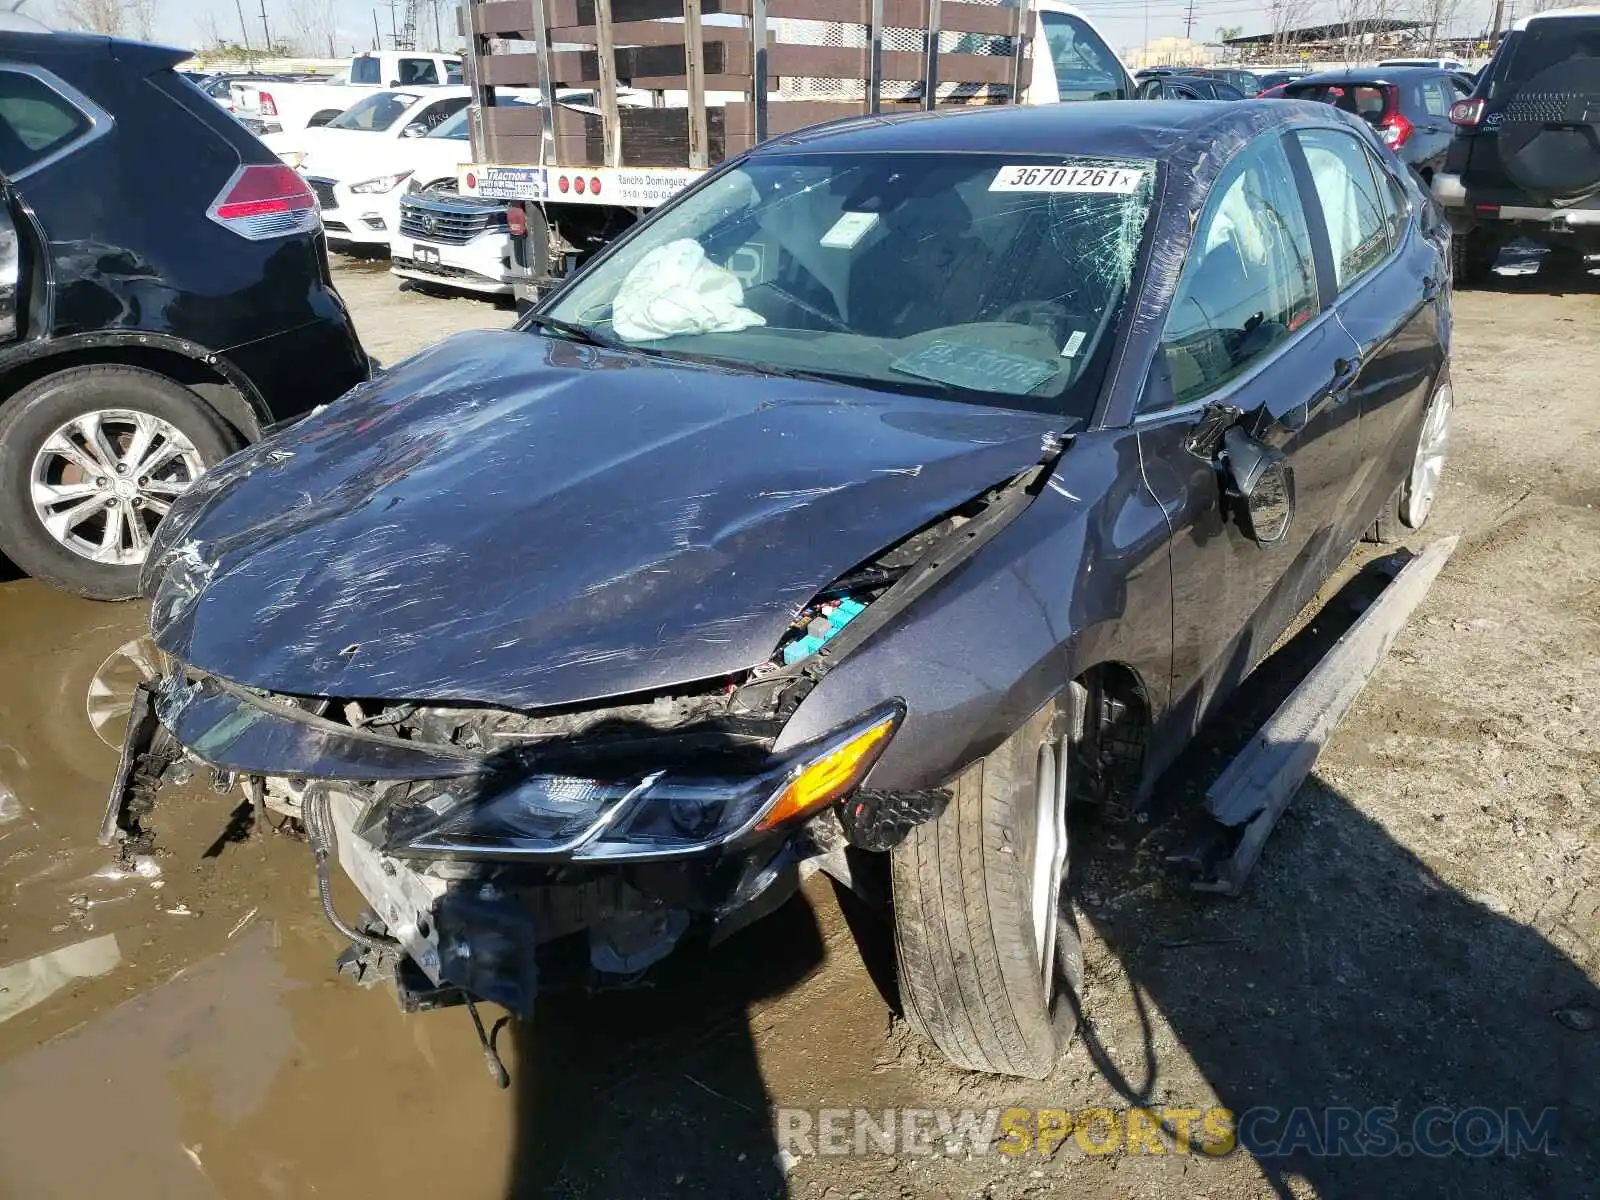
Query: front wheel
x,y
990,961
1413,500
91,459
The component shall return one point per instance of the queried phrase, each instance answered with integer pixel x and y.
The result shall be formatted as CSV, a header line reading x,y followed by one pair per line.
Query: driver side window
x,y
1249,282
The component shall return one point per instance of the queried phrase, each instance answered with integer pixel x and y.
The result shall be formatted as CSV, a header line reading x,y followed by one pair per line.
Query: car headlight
x,y
650,815
383,183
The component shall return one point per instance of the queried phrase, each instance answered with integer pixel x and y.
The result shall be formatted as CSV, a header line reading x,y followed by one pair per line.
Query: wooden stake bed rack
x,y
775,65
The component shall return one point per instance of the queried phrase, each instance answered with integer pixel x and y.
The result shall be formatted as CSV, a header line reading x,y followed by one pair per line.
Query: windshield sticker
x,y
849,229
1119,181
975,368
1074,344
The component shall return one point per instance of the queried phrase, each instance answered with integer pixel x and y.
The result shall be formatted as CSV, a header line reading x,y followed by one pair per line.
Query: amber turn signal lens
x,y
829,777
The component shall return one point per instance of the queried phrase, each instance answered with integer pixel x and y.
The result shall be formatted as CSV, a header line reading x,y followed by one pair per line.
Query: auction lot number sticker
x,y
1116,180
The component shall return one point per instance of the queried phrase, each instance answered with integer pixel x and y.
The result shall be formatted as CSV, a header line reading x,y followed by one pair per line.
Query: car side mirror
x,y
416,129
1261,485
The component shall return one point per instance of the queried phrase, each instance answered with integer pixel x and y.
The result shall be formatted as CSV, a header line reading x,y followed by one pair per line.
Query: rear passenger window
x,y
1436,98
1250,281
35,121
418,72
1357,216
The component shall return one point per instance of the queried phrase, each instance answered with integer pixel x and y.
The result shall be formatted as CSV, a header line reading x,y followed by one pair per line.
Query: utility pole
x,y
265,32
377,34
394,22
244,31
438,29
1188,21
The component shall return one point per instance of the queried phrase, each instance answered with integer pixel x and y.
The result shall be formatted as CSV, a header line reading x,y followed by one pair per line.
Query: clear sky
x,y
1124,22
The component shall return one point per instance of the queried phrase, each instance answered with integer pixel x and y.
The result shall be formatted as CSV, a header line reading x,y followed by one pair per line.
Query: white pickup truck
x,y
290,107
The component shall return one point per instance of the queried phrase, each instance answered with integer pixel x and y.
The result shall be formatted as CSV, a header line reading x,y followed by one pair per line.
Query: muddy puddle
x,y
174,1027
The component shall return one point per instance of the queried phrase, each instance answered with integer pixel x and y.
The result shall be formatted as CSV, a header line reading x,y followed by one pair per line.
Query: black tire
x,y
28,419
1388,528
1393,522
1472,256
970,978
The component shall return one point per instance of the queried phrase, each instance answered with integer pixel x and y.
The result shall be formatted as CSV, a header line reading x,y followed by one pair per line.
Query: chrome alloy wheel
x,y
102,482
1049,855
1433,448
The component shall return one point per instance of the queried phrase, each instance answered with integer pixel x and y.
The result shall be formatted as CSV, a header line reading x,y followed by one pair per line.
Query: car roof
x,y
1108,128
1551,14
26,44
1372,75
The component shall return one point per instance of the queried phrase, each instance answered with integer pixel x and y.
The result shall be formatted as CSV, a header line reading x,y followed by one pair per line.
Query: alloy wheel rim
x,y
102,481
1433,449
110,696
1049,858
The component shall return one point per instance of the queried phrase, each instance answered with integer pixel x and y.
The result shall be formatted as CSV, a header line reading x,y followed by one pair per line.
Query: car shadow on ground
x,y
1420,1030
1363,983
657,1089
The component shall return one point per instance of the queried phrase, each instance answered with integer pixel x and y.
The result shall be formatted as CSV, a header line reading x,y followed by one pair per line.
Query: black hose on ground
x,y
320,832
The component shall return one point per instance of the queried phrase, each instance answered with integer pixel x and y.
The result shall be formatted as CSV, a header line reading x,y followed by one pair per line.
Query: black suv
x,y
164,297
1525,160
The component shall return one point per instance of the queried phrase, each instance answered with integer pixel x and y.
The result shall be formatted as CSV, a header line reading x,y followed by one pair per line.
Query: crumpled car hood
x,y
527,522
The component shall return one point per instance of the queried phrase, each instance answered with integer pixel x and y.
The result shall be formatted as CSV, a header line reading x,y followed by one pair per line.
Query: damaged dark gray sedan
x,y
904,482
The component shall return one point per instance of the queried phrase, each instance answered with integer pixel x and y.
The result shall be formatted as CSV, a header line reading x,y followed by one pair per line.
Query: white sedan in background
x,y
360,163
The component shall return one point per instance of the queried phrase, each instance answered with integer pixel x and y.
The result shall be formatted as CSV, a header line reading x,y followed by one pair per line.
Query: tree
x,y
1287,15
1357,18
1438,16
1226,33
210,30
93,16
142,15
316,26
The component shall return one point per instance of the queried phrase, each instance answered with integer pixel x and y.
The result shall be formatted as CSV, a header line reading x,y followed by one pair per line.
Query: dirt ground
x,y
1423,933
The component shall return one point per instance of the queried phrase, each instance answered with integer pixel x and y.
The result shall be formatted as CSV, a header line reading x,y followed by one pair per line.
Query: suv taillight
x,y
262,202
268,106
1468,112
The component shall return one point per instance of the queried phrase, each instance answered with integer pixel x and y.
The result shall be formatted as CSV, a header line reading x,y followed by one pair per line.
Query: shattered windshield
x,y
993,279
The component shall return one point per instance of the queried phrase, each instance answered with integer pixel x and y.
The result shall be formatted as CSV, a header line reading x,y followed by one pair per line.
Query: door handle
x,y
1345,373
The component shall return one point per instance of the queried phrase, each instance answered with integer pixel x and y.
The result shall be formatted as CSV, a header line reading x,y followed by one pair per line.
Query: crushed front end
x,y
493,846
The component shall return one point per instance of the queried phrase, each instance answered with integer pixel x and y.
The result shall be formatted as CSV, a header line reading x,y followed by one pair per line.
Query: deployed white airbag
x,y
675,289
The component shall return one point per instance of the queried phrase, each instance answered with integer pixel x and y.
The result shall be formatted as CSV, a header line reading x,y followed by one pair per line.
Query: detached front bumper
x,y
474,861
